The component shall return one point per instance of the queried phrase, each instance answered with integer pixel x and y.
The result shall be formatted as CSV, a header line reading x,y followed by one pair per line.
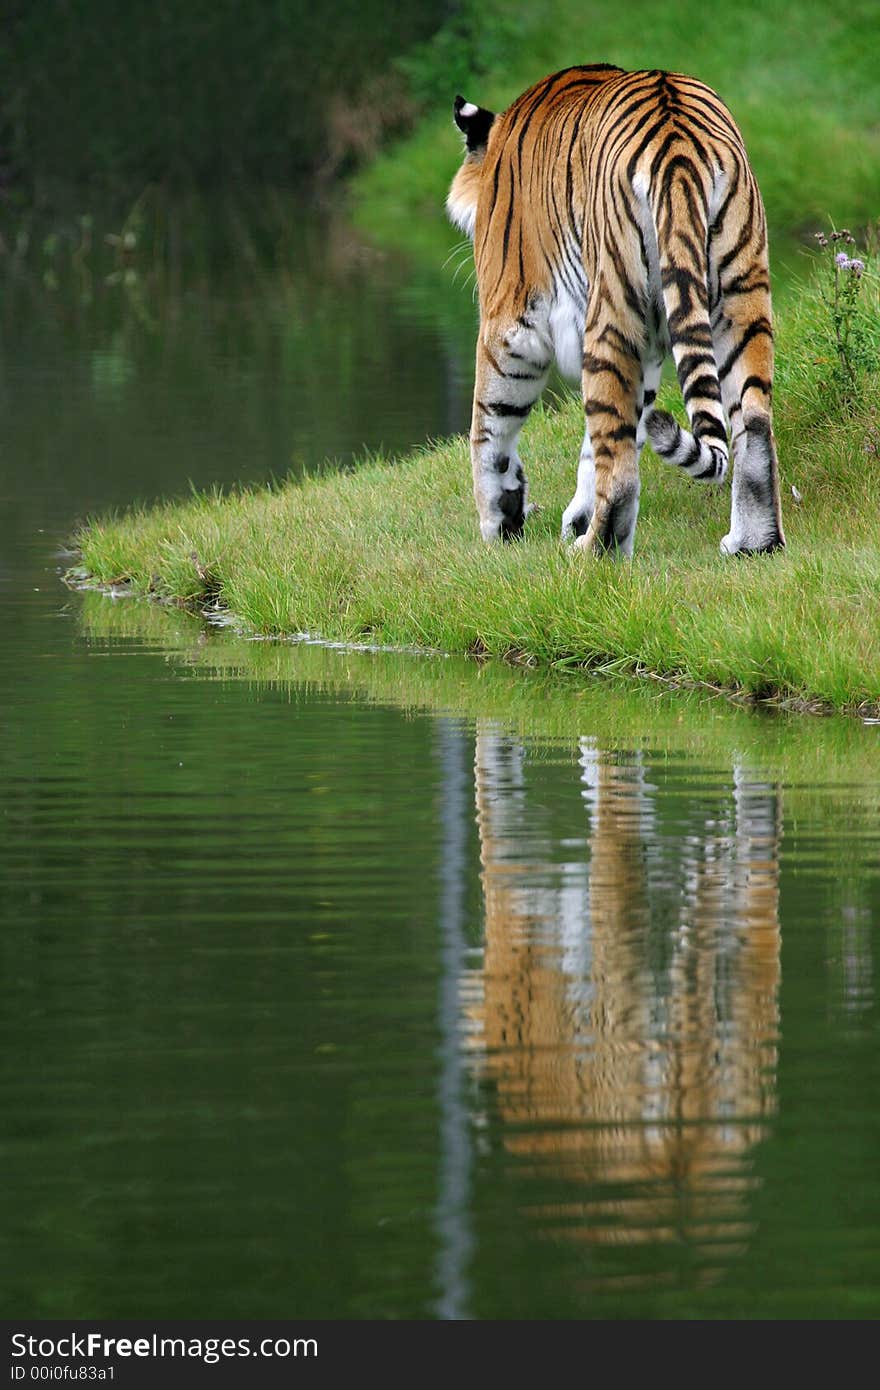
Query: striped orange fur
x,y
615,218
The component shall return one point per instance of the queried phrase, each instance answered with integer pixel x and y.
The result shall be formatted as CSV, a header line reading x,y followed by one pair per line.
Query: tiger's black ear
x,y
474,122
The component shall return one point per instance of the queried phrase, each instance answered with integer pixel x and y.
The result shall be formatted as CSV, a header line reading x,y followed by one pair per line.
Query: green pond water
x,y
365,985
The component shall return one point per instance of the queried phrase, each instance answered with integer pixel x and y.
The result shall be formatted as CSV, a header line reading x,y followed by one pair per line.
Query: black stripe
x,y
634,301
492,209
503,408
620,341
729,195
679,162
691,361
707,426
755,330
507,223
596,364
745,237
519,357
705,385
742,285
596,407
697,253
757,381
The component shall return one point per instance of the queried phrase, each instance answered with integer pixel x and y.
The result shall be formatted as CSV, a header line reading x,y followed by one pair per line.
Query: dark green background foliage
x,y
201,92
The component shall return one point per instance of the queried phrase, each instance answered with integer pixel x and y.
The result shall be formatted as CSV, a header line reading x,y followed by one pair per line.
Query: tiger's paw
x,y
732,545
575,524
584,545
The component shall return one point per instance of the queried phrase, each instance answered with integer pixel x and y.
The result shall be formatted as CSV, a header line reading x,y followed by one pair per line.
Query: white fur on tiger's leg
x,y
579,513
755,521
744,346
512,368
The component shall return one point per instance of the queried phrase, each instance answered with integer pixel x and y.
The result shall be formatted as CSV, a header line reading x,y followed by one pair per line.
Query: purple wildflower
x,y
856,266
843,260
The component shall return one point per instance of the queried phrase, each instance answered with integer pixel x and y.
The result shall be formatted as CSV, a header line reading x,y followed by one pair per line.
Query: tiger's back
x,y
615,217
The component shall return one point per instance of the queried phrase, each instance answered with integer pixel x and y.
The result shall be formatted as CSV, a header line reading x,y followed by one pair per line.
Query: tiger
x,y
615,218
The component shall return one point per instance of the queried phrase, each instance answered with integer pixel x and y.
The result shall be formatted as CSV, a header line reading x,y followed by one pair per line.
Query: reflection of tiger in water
x,y
614,215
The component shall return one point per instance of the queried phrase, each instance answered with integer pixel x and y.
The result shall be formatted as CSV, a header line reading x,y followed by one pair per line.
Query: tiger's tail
x,y
678,206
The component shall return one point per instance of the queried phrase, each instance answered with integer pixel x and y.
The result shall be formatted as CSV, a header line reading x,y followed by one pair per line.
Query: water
x,y
355,985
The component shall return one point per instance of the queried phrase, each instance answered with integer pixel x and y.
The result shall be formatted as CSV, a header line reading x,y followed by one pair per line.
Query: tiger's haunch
x,y
615,219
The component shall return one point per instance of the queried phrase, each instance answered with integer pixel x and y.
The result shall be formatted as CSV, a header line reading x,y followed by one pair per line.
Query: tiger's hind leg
x,y
743,343
513,362
579,513
614,386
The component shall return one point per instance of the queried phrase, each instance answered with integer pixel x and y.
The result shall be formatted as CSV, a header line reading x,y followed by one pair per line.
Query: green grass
x,y
390,553
530,701
800,76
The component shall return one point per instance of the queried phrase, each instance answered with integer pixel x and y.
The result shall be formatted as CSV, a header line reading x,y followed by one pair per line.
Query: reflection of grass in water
x,y
149,256
240,312
533,703
390,554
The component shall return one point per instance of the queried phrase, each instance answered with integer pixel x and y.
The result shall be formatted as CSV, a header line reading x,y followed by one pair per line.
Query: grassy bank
x,y
529,702
390,553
